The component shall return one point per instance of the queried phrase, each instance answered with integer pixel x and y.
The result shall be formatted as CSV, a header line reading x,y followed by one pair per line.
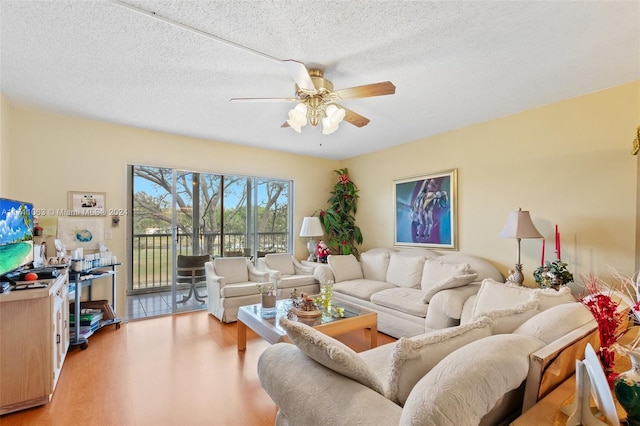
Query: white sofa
x,y
484,372
412,290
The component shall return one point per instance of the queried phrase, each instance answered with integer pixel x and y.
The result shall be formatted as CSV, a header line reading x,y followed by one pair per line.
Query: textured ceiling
x,y
453,63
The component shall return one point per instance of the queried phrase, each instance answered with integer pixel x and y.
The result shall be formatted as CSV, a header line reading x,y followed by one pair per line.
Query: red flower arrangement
x,y
344,179
604,302
605,311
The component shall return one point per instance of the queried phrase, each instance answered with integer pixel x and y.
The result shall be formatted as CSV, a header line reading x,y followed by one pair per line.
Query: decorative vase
x,y
268,301
627,389
326,293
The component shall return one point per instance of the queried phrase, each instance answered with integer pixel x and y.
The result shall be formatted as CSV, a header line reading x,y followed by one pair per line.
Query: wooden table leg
x,y
242,335
374,335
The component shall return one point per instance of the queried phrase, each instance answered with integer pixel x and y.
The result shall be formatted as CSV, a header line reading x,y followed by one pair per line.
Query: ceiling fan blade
x,y
300,74
368,90
354,118
263,100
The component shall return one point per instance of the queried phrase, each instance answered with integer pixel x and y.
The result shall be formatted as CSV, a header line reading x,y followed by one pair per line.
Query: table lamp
x,y
311,227
519,225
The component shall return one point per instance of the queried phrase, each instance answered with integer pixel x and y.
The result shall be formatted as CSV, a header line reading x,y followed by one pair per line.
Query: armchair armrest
x,y
554,363
323,272
212,278
302,269
445,307
255,275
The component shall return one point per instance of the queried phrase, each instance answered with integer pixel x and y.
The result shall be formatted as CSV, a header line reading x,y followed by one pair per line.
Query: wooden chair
x,y
191,271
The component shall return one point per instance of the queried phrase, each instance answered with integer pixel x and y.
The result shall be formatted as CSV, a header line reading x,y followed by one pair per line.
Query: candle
x,y
559,257
557,240
542,260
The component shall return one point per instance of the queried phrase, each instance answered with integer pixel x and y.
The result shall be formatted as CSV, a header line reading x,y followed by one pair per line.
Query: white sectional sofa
x,y
412,290
516,345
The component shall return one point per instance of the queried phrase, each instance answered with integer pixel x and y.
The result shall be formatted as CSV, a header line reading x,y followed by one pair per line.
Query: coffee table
x,y
265,322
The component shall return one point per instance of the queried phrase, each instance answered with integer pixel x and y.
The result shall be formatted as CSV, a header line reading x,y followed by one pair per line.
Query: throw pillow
x,y
405,271
280,262
463,387
556,322
494,295
374,265
345,267
331,353
451,282
507,320
413,357
435,271
549,297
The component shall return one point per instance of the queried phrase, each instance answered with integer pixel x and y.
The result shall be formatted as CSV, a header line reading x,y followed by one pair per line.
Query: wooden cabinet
x,y
34,339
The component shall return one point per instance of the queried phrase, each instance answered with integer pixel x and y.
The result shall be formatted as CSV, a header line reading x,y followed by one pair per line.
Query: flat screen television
x,y
16,235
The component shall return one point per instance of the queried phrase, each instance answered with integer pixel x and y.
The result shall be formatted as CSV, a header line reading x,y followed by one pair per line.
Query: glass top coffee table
x,y
265,322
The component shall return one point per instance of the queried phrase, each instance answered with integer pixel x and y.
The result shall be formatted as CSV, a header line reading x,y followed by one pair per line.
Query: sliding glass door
x,y
185,213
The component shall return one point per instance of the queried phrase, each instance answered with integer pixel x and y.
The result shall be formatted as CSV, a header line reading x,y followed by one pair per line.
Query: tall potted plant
x,y
338,220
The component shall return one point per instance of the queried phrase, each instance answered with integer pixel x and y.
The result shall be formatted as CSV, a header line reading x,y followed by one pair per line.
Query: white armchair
x,y
288,273
231,283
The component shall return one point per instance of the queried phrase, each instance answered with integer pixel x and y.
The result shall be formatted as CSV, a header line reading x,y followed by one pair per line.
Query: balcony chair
x,y
288,273
231,283
190,271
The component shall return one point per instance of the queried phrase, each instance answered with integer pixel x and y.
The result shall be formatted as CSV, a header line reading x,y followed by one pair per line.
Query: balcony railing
x,y
152,265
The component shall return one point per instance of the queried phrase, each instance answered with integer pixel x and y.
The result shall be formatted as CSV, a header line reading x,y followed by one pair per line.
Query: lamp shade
x,y
298,117
519,225
311,227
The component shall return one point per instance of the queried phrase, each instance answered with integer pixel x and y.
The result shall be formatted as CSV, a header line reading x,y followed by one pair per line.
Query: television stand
x,y
34,326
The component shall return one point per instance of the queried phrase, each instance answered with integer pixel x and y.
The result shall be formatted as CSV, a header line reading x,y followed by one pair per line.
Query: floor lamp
x,y
311,227
519,226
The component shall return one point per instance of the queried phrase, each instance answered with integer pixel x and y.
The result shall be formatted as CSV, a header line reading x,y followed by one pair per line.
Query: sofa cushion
x,y
405,271
331,353
345,267
408,300
362,289
413,357
463,387
555,322
232,269
374,265
280,262
507,320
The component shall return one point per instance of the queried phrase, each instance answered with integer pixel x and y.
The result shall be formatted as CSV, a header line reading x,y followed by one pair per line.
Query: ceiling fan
x,y
317,100
315,96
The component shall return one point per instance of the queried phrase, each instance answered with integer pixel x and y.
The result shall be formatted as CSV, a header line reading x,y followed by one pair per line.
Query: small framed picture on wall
x,y
426,210
87,203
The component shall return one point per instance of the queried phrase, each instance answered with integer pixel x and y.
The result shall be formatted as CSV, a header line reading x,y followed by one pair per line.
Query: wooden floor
x,y
174,370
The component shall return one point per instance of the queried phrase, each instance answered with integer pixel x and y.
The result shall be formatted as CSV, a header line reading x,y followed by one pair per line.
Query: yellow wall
x,y
568,163
50,154
4,145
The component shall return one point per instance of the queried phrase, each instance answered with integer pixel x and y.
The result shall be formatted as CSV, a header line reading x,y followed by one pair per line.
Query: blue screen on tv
x,y
16,234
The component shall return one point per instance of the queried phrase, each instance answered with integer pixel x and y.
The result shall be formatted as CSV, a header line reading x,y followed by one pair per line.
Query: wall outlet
x,y
107,235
